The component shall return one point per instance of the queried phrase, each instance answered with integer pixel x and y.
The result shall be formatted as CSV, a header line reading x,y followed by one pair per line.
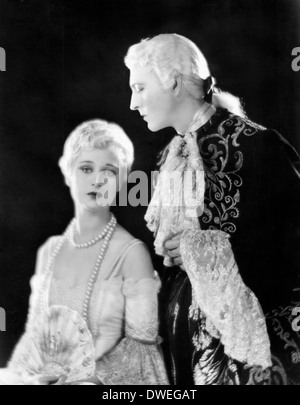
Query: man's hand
x,y
173,250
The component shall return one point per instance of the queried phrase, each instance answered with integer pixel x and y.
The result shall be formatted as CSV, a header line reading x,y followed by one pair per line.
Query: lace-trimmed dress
x,y
122,319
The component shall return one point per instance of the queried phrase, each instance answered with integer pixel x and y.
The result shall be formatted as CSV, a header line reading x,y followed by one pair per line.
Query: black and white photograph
x,y
150,194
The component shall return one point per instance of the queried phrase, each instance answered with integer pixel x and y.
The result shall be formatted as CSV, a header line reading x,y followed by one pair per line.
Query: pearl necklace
x,y
93,277
92,241
95,272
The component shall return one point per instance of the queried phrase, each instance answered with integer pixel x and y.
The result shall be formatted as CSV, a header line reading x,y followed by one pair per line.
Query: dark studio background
x,y
65,65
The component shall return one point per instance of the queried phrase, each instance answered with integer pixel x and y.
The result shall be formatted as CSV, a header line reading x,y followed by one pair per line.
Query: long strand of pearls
x,y
109,230
92,242
95,272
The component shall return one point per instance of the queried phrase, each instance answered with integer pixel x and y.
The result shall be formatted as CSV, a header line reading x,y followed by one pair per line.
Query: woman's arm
x,y
43,255
137,359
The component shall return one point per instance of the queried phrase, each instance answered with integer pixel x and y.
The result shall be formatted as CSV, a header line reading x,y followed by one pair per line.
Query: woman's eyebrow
x,y
86,161
105,165
110,165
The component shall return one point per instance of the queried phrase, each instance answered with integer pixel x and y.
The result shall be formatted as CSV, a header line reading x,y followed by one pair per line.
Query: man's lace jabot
x,y
178,198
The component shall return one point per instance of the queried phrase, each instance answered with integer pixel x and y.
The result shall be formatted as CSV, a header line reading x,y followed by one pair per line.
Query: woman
x,y
234,179
93,307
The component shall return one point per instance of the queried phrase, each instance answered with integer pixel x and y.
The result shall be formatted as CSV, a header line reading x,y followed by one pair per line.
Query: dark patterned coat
x,y
253,194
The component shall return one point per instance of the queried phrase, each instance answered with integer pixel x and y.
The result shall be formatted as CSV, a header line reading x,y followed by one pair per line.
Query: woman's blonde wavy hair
x,y
96,134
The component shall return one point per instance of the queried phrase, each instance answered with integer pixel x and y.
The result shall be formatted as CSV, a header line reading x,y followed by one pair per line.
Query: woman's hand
x,y
173,250
49,380
88,381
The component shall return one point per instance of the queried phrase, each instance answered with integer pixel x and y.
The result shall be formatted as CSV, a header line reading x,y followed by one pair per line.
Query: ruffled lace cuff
x,y
132,363
232,310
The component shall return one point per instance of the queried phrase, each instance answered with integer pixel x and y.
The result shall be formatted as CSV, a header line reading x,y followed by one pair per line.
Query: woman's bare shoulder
x,y
137,262
122,237
48,245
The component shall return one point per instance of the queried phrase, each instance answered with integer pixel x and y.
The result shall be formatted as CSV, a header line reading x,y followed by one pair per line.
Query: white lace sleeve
x,y
136,360
232,310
